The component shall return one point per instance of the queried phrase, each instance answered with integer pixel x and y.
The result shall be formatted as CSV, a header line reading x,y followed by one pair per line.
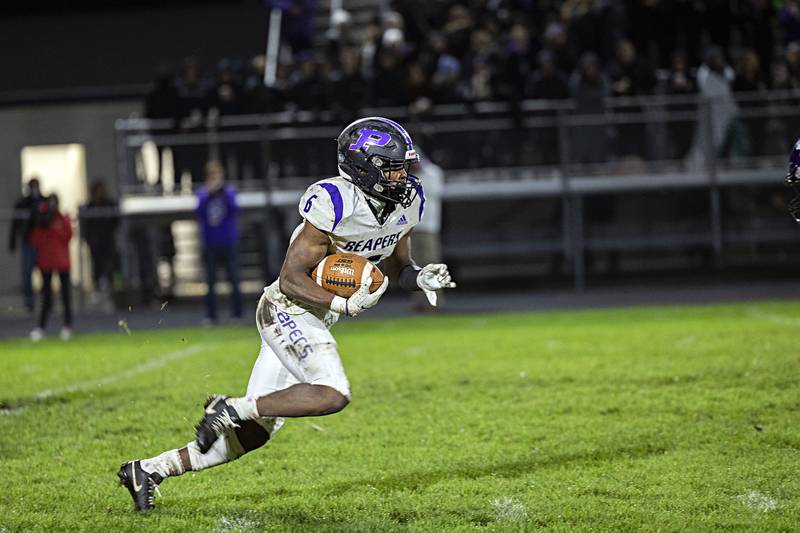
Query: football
x,y
343,274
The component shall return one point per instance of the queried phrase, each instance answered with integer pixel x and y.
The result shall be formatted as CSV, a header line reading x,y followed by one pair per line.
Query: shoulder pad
x,y
324,204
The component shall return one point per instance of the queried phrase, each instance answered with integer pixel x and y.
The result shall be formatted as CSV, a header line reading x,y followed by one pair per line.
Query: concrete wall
x,y
89,124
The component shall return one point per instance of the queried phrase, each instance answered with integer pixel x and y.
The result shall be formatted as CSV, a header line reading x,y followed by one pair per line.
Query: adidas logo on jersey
x,y
403,220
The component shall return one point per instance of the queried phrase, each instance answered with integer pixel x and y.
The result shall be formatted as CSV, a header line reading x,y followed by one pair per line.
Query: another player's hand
x,y
360,300
433,277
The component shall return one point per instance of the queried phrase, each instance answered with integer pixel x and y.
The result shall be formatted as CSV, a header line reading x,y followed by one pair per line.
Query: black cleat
x,y
219,417
142,485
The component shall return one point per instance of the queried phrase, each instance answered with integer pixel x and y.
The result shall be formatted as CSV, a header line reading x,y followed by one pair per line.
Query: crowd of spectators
x,y
438,52
423,53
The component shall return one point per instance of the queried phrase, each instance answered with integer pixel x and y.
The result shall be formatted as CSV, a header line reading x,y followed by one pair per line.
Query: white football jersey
x,y
340,209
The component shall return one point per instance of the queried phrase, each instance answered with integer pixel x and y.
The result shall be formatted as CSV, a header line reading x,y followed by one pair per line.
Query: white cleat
x,y
66,334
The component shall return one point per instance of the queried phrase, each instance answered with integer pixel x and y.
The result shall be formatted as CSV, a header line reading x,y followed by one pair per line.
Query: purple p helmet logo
x,y
368,137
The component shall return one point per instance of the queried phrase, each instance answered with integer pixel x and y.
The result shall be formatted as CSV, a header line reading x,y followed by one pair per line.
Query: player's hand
x,y
360,300
432,278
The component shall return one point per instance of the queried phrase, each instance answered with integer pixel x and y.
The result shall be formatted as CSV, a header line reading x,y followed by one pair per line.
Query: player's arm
x,y
304,253
429,278
401,259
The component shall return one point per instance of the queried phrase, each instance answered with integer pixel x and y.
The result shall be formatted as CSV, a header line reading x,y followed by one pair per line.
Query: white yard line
x,y
151,364
775,318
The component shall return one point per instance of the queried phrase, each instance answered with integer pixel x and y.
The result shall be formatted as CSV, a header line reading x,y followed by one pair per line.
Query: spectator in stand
x,y
748,73
631,77
389,84
391,20
309,89
99,220
483,49
369,50
680,80
681,83
649,23
595,26
162,102
216,214
51,238
457,30
479,87
341,34
348,85
548,83
258,98
419,90
589,89
789,17
519,62
393,33
226,95
420,17
589,141
255,94
26,210
479,67
226,98
193,93
714,79
792,63
751,88
758,32
556,40
779,78
445,82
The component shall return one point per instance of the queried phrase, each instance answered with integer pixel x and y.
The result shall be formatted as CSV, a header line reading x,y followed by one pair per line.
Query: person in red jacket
x,y
51,238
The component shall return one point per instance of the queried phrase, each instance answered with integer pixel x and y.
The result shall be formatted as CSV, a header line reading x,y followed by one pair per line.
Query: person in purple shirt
x,y
216,215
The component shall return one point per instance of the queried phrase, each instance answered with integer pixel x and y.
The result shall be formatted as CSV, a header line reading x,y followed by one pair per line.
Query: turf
x,y
676,418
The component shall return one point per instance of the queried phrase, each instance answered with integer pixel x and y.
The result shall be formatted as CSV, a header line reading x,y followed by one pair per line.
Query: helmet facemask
x,y
793,180
400,190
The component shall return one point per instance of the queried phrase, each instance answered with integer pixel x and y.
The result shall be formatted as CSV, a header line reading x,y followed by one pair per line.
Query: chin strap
x,y
344,174
381,209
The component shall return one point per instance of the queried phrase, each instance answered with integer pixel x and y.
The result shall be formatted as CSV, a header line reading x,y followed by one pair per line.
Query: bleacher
x,y
523,206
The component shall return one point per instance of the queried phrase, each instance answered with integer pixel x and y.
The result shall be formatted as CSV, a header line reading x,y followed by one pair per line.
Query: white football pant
x,y
294,349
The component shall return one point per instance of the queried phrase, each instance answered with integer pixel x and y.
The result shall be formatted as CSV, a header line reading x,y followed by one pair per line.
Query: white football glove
x,y
433,277
360,300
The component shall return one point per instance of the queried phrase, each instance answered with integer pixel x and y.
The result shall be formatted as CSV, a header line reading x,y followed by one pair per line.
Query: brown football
x,y
343,274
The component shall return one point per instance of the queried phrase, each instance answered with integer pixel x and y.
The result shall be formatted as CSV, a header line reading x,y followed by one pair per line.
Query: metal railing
x,y
500,152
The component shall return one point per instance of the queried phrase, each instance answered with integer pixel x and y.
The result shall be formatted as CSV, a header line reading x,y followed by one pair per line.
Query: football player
x,y
793,180
369,210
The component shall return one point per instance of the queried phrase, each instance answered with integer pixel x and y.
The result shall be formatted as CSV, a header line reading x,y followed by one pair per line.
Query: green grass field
x,y
674,418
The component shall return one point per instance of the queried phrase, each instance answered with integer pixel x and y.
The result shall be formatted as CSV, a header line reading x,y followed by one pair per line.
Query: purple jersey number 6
x,y
307,208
